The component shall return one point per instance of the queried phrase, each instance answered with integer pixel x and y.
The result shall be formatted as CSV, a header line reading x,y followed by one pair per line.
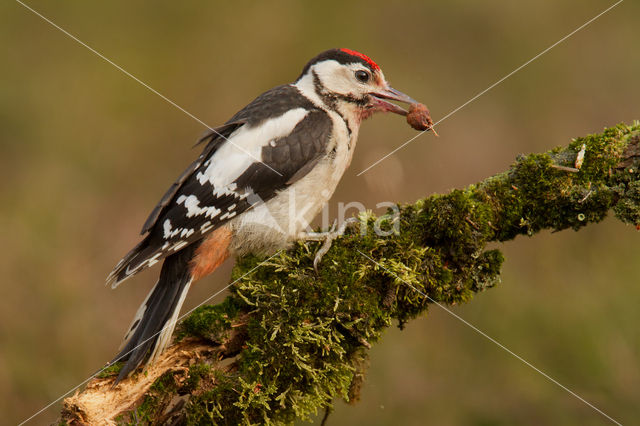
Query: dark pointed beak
x,y
379,100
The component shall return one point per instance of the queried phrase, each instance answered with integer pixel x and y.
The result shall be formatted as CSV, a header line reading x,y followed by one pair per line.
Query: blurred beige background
x,y
86,152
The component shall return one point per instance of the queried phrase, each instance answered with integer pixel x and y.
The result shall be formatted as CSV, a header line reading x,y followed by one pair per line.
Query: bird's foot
x,y
328,238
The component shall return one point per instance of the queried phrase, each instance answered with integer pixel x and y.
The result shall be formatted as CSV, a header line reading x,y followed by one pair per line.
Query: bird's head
x,y
351,83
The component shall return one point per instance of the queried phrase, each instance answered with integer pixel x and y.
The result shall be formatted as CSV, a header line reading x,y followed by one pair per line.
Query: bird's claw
x,y
327,238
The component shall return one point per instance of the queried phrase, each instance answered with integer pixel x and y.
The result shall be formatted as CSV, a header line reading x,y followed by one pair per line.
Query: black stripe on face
x,y
331,99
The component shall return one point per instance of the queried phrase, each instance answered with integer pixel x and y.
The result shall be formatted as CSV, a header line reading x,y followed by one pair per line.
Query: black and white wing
x,y
264,148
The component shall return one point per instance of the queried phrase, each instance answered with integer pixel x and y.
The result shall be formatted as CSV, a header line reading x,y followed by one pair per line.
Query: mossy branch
x,y
288,341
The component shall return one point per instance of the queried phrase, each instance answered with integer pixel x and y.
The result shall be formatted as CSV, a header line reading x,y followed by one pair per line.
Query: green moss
x,y
153,403
215,405
196,373
306,331
628,207
307,334
211,322
111,370
163,384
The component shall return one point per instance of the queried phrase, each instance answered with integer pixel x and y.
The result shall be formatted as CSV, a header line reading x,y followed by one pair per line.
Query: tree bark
x,y
288,340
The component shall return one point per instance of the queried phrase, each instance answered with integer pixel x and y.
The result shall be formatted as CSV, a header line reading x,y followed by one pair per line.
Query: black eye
x,y
362,76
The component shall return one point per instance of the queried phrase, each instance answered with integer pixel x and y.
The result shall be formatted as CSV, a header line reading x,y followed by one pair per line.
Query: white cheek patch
x,y
339,78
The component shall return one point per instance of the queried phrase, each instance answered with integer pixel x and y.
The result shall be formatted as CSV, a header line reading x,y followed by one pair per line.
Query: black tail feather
x,y
129,265
161,305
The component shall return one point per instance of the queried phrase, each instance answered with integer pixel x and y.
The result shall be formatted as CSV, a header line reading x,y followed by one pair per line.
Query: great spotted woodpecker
x,y
260,180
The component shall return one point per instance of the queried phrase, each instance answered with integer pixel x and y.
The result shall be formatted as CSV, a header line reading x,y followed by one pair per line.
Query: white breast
x,y
281,220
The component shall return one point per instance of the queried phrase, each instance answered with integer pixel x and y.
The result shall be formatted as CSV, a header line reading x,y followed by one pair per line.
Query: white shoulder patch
x,y
229,162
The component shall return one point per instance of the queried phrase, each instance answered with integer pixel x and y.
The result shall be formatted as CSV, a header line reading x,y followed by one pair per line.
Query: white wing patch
x,y
169,233
223,168
192,204
205,227
209,195
229,162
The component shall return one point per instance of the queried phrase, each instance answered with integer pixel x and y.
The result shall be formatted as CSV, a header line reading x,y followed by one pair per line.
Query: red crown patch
x,y
362,56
